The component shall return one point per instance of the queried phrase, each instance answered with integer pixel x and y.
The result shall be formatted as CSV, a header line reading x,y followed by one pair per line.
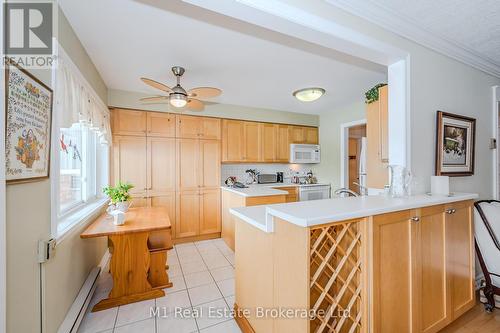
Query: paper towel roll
x,y
440,185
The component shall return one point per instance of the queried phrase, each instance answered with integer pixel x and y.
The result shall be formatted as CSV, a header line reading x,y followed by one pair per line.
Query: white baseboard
x,y
79,307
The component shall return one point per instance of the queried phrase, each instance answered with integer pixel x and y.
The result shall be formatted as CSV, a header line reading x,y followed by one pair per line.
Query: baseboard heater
x,y
79,307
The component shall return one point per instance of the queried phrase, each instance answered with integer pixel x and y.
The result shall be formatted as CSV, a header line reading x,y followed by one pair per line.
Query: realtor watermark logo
x,y
29,28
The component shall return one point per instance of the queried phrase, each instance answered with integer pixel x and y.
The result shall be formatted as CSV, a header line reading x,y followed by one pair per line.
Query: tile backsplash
x,y
238,170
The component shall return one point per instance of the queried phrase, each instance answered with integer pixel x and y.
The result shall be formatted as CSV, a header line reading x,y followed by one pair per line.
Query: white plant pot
x,y
123,206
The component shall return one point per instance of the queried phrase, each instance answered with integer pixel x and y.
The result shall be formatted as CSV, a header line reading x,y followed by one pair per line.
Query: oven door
x,y
314,193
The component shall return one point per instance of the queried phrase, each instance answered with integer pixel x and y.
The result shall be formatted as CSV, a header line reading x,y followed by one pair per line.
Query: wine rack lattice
x,y
335,282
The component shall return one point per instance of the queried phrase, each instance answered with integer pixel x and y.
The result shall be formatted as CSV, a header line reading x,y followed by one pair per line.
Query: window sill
x,y
71,223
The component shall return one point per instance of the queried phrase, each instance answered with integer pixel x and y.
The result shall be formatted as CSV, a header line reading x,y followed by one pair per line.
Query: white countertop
x,y
261,190
316,212
253,191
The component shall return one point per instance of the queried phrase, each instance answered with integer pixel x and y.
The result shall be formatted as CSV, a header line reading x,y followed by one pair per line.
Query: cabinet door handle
x,y
451,211
415,219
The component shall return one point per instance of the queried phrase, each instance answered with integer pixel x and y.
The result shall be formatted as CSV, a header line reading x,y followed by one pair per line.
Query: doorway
x,y
352,143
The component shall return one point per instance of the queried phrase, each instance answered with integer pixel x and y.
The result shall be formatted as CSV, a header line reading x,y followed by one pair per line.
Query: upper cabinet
x,y
141,123
297,134
377,141
252,135
283,144
194,127
312,135
269,142
232,140
249,141
129,122
160,124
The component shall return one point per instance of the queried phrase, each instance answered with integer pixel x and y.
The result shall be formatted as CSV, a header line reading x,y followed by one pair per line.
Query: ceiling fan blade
x,y
156,84
195,105
154,99
204,92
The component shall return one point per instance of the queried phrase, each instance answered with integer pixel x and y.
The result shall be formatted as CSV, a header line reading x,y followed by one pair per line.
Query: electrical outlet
x,y
46,250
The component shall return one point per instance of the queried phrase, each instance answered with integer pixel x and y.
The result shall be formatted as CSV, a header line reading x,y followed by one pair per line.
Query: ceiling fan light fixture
x,y
178,100
308,94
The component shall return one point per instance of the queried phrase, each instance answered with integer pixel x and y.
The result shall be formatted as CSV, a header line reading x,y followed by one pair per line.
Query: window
x,y
80,148
83,171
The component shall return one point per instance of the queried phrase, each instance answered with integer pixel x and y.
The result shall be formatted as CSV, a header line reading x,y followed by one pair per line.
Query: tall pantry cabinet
x,y
173,161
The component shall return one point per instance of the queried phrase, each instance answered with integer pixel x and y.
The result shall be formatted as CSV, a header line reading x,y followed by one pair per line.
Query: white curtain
x,y
74,103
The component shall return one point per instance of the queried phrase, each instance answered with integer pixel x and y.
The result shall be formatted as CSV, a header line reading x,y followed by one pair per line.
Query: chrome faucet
x,y
363,190
345,190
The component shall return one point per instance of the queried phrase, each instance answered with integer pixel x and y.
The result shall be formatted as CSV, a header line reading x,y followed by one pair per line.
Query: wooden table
x,y
139,254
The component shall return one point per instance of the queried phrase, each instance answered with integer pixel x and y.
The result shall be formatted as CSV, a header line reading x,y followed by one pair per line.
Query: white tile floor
x,y
202,274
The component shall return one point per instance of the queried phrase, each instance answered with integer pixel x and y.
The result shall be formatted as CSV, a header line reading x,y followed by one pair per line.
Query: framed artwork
x,y
455,145
28,113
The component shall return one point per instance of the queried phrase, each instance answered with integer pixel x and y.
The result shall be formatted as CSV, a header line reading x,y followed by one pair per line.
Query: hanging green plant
x,y
372,94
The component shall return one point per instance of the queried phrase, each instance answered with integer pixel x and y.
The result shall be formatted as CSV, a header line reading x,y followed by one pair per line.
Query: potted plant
x,y
119,195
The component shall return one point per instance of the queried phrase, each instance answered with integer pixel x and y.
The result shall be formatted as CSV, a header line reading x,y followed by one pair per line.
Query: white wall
x,y
329,137
28,219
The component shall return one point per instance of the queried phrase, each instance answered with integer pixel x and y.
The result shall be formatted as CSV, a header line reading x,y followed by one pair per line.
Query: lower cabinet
x,y
423,260
461,257
210,215
198,213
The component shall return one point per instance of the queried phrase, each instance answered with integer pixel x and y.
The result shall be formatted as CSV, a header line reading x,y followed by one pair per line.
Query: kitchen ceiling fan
x,y
177,96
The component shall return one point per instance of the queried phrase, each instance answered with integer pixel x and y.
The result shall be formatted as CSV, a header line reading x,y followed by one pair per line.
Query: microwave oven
x,y
302,153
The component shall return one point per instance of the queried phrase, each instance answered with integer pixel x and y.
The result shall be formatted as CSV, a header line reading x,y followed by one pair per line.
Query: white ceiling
x,y
468,30
473,24
254,67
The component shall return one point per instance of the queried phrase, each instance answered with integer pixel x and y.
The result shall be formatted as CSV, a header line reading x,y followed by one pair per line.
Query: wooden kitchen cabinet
x,y
283,144
160,124
461,260
130,163
166,200
431,305
377,141
188,214
161,165
423,268
248,141
188,164
128,122
392,235
252,136
269,142
210,128
232,140
292,195
383,101
312,135
188,127
194,127
210,214
209,163
297,134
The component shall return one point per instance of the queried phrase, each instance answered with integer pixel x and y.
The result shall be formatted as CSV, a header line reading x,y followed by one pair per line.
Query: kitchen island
x,y
254,195
365,264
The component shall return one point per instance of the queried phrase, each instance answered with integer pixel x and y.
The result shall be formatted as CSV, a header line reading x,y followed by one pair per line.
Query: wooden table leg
x,y
129,268
158,276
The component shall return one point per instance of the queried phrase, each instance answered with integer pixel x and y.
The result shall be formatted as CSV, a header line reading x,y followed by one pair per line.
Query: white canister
x,y
440,185
118,217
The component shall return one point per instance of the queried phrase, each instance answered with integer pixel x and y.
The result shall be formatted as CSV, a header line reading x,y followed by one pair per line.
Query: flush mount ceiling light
x,y
308,94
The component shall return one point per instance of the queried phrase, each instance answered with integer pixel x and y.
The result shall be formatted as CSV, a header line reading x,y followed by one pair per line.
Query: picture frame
x,y
455,145
28,126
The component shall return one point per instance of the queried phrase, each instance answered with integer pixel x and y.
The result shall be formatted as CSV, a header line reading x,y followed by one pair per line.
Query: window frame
x,y
64,222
